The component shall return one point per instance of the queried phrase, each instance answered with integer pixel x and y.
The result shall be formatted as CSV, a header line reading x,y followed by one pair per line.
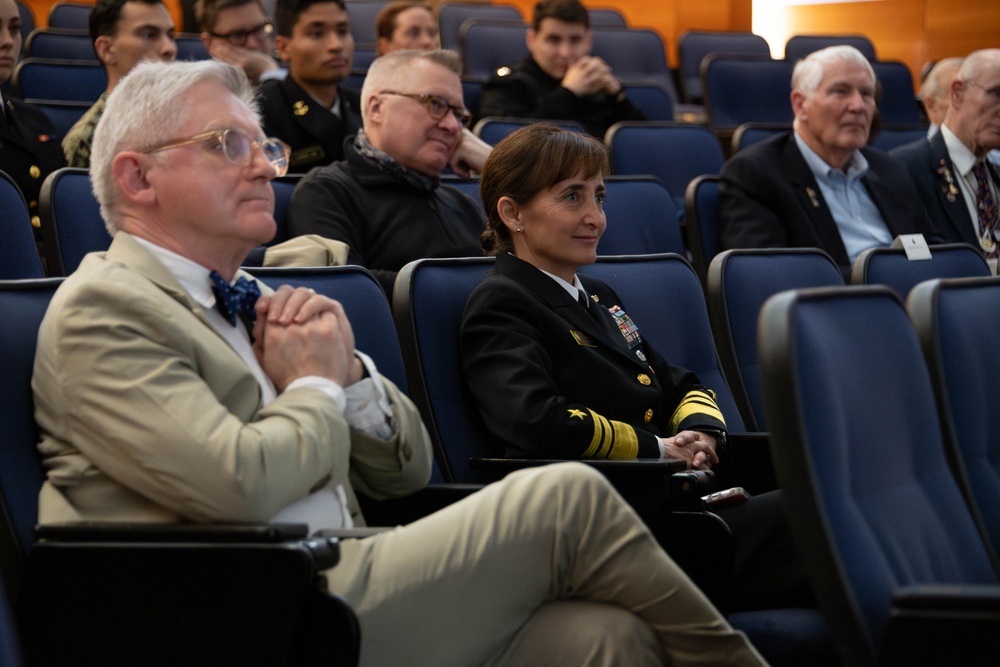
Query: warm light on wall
x,y
770,20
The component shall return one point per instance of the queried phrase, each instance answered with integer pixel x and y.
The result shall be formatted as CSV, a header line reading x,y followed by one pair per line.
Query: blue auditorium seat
x,y
488,45
738,284
890,266
894,555
745,89
451,16
65,80
60,44
800,46
73,15
701,221
956,320
21,258
694,45
675,153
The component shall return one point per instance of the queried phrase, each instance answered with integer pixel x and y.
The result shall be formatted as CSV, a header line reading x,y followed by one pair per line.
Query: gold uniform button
x,y
648,417
644,379
34,171
36,221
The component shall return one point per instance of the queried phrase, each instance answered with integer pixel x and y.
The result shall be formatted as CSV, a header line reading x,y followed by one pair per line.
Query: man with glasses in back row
x,y
239,32
385,200
959,187
155,405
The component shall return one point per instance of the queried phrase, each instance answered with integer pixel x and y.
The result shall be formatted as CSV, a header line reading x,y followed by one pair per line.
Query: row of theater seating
x,y
663,195
665,296
730,73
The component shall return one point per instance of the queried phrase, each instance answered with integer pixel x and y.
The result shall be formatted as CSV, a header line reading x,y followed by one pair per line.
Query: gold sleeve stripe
x,y
695,402
611,440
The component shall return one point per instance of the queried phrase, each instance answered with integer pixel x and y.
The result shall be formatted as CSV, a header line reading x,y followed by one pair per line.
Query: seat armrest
x,y
957,625
112,531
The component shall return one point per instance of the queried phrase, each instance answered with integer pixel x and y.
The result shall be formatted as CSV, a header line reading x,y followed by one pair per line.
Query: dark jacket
x,y
29,149
316,136
769,198
525,91
385,220
931,167
551,381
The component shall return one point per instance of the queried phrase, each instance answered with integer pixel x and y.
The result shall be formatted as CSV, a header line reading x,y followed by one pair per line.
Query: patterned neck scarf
x,y
385,163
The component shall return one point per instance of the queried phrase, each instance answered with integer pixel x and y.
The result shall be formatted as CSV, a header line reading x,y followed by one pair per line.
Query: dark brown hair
x,y
528,161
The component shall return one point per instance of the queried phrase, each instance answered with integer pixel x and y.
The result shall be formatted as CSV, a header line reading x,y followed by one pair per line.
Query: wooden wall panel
x,y
957,27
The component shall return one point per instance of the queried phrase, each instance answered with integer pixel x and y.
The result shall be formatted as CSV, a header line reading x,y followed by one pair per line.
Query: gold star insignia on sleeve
x,y
580,414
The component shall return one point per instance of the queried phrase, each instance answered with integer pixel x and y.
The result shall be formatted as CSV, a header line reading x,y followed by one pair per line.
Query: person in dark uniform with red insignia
x,y
556,364
558,368
29,147
308,109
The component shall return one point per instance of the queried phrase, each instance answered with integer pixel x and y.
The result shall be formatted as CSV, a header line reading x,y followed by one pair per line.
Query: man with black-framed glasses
x,y
309,109
385,200
239,32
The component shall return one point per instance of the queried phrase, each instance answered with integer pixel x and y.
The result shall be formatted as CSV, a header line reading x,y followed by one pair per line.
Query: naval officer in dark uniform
x,y
559,370
29,147
309,110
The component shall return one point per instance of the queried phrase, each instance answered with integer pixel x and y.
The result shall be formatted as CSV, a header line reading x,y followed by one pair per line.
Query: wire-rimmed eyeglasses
x,y
436,106
238,147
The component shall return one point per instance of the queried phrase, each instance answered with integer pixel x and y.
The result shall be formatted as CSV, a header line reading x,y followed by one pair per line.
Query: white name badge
x,y
914,245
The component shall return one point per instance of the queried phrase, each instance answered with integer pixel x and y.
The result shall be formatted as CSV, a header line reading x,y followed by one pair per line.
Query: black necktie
x,y
236,300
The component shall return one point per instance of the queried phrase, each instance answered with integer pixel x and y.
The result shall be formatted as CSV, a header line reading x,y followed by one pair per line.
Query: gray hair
x,y
148,107
974,63
934,85
808,72
392,70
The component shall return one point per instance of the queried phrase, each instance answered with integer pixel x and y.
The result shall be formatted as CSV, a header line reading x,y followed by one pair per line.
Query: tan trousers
x,y
547,567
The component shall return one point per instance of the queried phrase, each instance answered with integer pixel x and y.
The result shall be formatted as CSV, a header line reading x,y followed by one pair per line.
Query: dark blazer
x,y
526,91
770,199
316,136
29,149
937,181
551,381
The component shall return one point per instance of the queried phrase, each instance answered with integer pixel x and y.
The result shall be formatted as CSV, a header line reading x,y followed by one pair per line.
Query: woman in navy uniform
x,y
559,370
29,148
557,366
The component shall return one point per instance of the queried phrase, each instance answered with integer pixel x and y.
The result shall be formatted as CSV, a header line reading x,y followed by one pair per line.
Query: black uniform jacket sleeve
x,y
551,381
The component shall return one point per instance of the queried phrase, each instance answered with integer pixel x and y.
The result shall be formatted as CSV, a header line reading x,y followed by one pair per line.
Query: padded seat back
x,y
857,448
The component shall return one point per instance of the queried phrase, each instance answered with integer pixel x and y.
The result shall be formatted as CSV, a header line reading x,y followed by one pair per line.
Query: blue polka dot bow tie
x,y
237,299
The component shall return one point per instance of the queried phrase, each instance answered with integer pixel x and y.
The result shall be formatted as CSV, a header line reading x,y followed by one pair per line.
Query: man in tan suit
x,y
156,405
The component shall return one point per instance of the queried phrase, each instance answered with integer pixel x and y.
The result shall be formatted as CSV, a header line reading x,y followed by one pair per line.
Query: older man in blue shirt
x,y
819,186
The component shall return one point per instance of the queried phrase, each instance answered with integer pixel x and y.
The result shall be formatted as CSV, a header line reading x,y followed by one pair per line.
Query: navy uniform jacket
x,y
29,149
769,198
552,382
526,91
316,136
932,170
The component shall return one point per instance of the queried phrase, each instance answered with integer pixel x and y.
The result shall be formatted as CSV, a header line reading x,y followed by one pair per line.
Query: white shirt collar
x,y
573,289
192,276
857,165
963,158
